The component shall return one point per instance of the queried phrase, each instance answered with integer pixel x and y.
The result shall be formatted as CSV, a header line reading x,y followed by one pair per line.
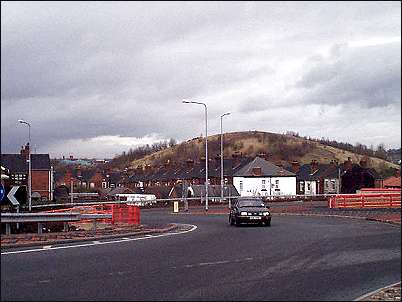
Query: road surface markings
x,y
215,263
364,297
193,228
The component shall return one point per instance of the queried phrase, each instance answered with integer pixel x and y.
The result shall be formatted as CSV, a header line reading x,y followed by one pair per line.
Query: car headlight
x,y
265,213
243,213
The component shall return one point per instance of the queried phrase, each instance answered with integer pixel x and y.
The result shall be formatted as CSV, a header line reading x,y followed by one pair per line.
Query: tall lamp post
x,y
29,165
206,149
227,113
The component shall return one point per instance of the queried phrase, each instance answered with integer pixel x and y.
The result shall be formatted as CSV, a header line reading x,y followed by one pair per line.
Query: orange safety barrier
x,y
90,209
122,213
384,200
390,190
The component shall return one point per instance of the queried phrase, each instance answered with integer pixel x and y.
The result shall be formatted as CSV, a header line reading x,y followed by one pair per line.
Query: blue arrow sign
x,y
2,192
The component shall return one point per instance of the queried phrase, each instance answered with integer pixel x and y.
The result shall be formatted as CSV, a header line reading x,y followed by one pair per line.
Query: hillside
x,y
280,148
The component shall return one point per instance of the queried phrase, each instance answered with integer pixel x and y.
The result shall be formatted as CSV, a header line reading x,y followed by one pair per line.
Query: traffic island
x,y
82,233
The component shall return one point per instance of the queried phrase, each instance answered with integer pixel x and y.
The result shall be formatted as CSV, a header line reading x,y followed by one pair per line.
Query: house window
x,y
277,184
263,184
333,185
301,186
308,186
104,184
326,184
241,185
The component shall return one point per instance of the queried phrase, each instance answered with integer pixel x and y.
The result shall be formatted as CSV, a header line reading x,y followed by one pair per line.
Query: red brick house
x,y
42,172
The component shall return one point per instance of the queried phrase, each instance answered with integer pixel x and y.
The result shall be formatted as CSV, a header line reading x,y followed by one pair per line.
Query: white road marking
x,y
47,247
193,228
96,242
215,262
361,298
44,281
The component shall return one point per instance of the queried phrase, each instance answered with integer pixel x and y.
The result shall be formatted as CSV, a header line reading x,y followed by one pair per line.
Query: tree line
x,y
125,158
379,152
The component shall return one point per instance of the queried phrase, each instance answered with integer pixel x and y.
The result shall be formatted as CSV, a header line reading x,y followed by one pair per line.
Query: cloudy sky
x,y
97,78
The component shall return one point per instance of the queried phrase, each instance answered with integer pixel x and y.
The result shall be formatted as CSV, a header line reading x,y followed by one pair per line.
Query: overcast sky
x,y
95,79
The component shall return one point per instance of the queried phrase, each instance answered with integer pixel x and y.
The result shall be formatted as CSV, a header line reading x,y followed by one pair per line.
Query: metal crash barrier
x,y
40,218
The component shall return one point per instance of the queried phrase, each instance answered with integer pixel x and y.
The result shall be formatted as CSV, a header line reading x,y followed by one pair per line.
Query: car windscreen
x,y
250,203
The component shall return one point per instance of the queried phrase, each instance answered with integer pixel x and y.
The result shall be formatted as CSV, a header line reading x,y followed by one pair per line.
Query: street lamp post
x,y
206,149
227,113
29,165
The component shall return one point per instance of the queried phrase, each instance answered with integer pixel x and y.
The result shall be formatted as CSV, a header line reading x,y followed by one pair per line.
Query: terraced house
x,y
262,178
42,172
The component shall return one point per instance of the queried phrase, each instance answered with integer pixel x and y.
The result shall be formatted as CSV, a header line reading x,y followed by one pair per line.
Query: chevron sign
x,y
11,196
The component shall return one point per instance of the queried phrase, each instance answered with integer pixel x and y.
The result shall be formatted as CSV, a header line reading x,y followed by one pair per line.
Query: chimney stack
x,y
363,163
314,166
189,163
166,164
295,166
257,171
348,164
263,155
79,174
25,151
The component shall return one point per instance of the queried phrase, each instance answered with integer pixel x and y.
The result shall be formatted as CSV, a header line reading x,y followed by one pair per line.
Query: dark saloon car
x,y
249,210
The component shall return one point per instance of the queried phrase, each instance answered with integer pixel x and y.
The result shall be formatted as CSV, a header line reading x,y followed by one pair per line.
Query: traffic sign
x,y
2,192
11,196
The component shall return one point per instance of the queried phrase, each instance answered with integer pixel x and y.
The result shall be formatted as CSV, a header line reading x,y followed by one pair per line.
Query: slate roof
x,y
120,190
214,190
324,171
161,192
195,171
267,169
115,177
16,163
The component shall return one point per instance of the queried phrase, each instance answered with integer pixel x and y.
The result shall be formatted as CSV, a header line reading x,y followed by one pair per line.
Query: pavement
x,y
104,231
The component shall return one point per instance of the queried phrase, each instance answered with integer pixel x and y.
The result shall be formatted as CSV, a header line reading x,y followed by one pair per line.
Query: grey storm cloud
x,y
369,76
81,70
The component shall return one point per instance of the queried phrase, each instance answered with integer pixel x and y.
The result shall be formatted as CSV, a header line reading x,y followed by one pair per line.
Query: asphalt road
x,y
297,258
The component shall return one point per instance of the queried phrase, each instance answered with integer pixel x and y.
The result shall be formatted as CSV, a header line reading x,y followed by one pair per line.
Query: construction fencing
x,y
120,212
379,200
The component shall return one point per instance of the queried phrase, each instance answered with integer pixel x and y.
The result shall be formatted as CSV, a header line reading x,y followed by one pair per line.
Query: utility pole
x,y
29,165
206,149
222,158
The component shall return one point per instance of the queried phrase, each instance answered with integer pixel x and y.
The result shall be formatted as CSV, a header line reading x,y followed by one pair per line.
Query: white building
x,y
262,178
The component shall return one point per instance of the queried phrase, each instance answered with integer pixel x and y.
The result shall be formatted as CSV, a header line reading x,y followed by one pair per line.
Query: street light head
x,y
24,122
